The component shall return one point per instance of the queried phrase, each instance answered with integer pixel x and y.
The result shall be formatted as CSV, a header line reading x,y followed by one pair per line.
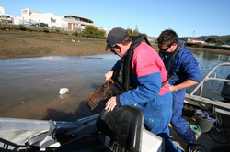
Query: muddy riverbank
x,y
21,44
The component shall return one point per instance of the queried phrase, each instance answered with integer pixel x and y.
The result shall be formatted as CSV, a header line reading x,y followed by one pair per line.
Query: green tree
x,y
93,32
214,40
133,32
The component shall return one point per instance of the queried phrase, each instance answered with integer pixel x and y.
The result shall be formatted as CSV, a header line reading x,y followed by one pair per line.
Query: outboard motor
x,y
121,130
123,126
226,90
116,131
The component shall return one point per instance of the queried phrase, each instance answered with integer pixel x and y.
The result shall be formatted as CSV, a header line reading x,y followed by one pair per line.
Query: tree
x,y
214,40
133,32
93,32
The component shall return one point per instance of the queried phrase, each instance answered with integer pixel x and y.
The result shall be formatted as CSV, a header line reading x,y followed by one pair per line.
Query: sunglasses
x,y
166,48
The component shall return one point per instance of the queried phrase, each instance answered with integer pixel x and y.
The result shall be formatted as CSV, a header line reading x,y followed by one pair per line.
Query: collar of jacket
x,y
126,68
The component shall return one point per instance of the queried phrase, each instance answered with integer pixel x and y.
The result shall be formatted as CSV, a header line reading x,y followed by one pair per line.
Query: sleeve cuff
x,y
118,101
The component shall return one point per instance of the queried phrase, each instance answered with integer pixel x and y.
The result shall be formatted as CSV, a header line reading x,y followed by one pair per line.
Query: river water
x,y
29,86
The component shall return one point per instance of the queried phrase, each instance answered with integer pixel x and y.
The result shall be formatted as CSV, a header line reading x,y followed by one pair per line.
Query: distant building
x,y
5,19
195,41
29,17
70,23
226,46
77,22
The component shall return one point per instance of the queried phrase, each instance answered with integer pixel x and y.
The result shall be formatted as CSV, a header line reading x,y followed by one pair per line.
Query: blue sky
x,y
187,17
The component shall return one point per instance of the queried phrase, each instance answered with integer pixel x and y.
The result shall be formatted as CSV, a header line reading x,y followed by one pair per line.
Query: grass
x,y
16,43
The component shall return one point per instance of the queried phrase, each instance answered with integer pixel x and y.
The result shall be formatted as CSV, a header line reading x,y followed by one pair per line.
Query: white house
x,y
70,23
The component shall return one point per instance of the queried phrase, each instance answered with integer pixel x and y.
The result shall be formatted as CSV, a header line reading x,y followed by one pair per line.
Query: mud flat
x,y
16,44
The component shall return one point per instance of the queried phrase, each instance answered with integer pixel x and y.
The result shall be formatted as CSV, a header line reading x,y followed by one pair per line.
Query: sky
x,y
187,17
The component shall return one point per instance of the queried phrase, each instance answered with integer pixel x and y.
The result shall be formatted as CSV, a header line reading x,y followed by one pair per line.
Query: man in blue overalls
x,y
183,72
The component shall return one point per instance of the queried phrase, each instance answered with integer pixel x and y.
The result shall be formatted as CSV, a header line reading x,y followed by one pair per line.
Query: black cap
x,y
116,35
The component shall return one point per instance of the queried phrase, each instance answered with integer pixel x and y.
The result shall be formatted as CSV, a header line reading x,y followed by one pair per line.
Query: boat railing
x,y
195,96
209,77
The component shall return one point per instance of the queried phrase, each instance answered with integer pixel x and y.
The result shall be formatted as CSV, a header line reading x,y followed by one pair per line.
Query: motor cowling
x,y
226,90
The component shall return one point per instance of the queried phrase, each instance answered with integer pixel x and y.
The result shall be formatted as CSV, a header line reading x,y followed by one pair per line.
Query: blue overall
x,y
184,67
157,109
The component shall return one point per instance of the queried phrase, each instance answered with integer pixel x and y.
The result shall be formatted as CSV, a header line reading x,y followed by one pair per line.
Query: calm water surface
x,y
29,87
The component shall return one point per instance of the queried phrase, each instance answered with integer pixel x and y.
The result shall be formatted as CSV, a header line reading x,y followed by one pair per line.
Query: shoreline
x,y
49,55
216,51
30,44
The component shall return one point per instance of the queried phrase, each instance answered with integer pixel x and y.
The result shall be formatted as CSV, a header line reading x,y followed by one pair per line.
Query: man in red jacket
x,y
143,78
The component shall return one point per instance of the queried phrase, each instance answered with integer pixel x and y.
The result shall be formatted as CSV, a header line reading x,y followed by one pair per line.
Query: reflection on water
x,y
29,87
212,89
209,60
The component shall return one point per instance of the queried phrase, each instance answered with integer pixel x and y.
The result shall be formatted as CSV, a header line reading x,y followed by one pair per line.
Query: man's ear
x,y
118,44
174,44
